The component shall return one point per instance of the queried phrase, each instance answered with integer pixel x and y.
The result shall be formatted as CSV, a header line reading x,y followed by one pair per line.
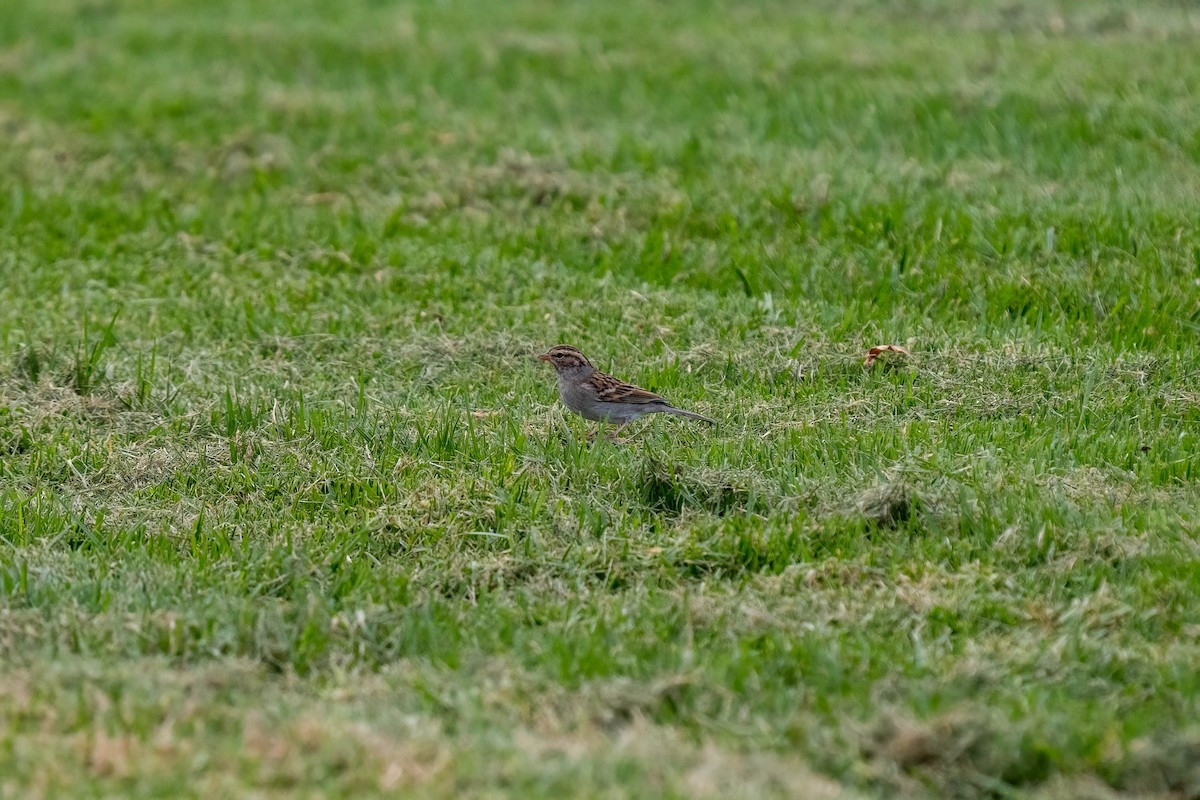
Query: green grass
x,y
288,508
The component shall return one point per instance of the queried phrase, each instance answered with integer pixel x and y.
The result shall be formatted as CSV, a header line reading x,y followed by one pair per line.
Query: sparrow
x,y
593,395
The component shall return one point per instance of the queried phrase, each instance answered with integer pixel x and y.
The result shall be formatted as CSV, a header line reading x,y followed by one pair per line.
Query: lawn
x,y
289,508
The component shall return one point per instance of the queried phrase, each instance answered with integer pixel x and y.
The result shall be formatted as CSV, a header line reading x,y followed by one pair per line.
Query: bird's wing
x,y
610,390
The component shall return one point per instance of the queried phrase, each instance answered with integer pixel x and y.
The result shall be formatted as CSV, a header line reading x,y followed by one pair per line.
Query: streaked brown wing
x,y
611,390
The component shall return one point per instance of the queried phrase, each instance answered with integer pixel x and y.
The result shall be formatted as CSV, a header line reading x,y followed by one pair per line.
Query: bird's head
x,y
564,356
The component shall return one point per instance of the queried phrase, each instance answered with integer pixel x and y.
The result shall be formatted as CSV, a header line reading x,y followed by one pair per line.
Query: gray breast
x,y
583,401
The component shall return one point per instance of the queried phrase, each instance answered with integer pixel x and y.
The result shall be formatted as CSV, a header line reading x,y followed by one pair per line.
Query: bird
x,y
602,398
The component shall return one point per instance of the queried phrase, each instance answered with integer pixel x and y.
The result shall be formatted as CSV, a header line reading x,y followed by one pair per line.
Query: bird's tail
x,y
679,412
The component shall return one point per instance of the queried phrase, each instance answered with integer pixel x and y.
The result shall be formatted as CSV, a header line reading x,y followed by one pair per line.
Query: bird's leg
x,y
609,429
612,436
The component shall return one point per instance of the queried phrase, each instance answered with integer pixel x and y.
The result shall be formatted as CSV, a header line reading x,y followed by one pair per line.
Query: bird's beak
x,y
544,357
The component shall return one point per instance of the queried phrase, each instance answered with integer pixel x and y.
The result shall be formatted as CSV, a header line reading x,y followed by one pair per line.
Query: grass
x,y
287,507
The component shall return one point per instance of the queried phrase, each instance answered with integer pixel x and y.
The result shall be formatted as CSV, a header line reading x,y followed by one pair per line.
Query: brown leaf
x,y
483,413
323,198
875,352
